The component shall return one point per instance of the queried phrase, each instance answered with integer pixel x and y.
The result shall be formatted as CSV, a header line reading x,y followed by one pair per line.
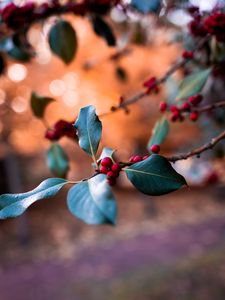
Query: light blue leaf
x,y
89,130
159,132
92,201
13,205
57,160
154,176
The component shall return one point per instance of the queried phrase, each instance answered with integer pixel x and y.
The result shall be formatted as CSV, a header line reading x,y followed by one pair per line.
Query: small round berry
x,y
155,148
103,170
162,106
194,116
111,174
132,158
175,116
186,106
174,108
115,168
188,54
137,158
145,157
195,100
52,135
111,181
106,162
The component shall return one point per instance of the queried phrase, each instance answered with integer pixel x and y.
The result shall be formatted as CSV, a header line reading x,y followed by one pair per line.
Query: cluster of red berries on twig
x,y
151,85
60,129
111,169
213,24
16,16
178,113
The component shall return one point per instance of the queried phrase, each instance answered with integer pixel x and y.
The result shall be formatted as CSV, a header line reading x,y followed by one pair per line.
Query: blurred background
x,y
163,248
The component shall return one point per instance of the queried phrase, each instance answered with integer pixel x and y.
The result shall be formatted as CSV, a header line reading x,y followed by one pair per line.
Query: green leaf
x,y
192,84
57,161
13,205
154,176
102,29
172,90
63,41
92,201
159,132
146,6
39,103
89,130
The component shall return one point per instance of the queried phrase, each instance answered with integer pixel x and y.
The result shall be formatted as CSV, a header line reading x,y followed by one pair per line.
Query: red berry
x,y
111,174
194,116
155,148
145,157
186,106
103,170
175,116
115,168
162,106
52,135
195,100
132,158
174,108
106,162
111,181
188,54
137,158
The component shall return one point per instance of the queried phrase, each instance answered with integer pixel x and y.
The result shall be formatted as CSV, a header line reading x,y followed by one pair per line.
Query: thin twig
x,y
142,94
199,150
211,107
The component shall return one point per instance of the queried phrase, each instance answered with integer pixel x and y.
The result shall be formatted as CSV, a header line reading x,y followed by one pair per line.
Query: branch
x,y
199,150
211,106
142,94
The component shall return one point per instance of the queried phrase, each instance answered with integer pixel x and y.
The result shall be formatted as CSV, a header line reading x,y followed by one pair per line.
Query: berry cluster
x,y
112,170
213,24
151,85
60,129
188,107
15,16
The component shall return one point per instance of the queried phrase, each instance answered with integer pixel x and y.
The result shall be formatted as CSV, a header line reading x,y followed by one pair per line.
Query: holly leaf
x,y
154,176
57,160
39,103
192,84
89,130
92,201
13,205
63,41
159,132
146,6
101,28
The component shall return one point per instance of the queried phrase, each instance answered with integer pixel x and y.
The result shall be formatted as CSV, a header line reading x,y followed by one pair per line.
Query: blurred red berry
x,y
195,100
116,168
155,148
188,54
52,135
194,116
103,170
186,106
106,162
137,158
162,106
